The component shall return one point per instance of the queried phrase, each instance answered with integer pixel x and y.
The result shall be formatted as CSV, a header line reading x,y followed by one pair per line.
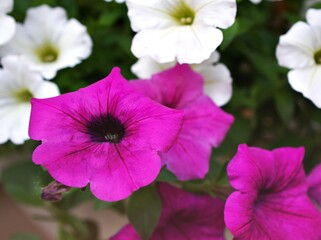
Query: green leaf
x,y
166,176
24,236
229,34
24,182
285,105
144,210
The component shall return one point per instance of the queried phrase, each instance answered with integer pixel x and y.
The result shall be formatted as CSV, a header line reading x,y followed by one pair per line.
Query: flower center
x,y
106,128
317,57
23,95
47,53
184,15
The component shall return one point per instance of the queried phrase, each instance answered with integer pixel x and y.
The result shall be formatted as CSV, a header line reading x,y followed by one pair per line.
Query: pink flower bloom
x,y
205,125
184,216
106,134
314,183
271,200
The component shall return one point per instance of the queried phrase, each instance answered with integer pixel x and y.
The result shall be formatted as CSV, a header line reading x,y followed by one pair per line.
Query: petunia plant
x,y
176,120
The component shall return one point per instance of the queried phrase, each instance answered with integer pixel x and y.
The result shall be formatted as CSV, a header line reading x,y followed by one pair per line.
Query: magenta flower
x,y
205,125
314,184
270,201
184,216
106,134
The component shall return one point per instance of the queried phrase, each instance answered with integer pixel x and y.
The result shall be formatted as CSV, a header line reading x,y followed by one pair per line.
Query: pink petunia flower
x,y
184,216
205,125
270,201
314,183
106,134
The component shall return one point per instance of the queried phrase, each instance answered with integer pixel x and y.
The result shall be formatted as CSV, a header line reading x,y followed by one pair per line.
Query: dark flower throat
x,y
106,128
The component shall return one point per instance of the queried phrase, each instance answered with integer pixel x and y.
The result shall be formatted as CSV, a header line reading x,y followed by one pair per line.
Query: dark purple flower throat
x,y
106,128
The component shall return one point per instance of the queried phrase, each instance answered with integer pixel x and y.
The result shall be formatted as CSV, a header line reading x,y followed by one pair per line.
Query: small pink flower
x,y
271,199
205,125
184,216
106,134
314,183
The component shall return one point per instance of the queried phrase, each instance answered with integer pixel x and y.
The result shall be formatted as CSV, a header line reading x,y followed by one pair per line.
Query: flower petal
x,y
218,83
6,6
296,48
271,201
66,163
214,13
126,170
7,28
169,44
128,232
145,67
150,14
307,81
313,17
314,183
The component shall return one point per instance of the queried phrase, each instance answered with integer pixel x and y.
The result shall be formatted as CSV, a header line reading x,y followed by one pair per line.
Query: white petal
x,y
196,43
203,66
308,82
74,43
46,89
218,13
187,44
19,128
7,28
14,124
145,67
6,6
314,17
296,48
159,44
150,14
218,83
14,114
255,1
43,26
44,23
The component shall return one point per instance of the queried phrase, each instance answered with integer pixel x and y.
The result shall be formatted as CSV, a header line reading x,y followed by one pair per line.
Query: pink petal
x,y
206,122
188,158
126,170
126,233
271,201
186,214
178,86
314,183
68,164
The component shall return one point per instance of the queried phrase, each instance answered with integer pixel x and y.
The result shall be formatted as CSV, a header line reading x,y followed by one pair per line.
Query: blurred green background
x,y
268,113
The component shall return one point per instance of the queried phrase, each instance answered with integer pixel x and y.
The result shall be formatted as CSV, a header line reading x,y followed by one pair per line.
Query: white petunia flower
x,y
179,30
255,1
218,80
7,23
118,1
300,50
17,85
49,40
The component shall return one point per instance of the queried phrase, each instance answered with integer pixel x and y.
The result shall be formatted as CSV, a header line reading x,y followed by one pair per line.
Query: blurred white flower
x,y
118,1
217,77
17,85
7,23
300,50
49,40
182,30
255,1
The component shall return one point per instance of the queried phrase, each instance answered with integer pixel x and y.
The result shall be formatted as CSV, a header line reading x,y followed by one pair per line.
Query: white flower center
x,y
183,14
23,95
47,53
317,57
